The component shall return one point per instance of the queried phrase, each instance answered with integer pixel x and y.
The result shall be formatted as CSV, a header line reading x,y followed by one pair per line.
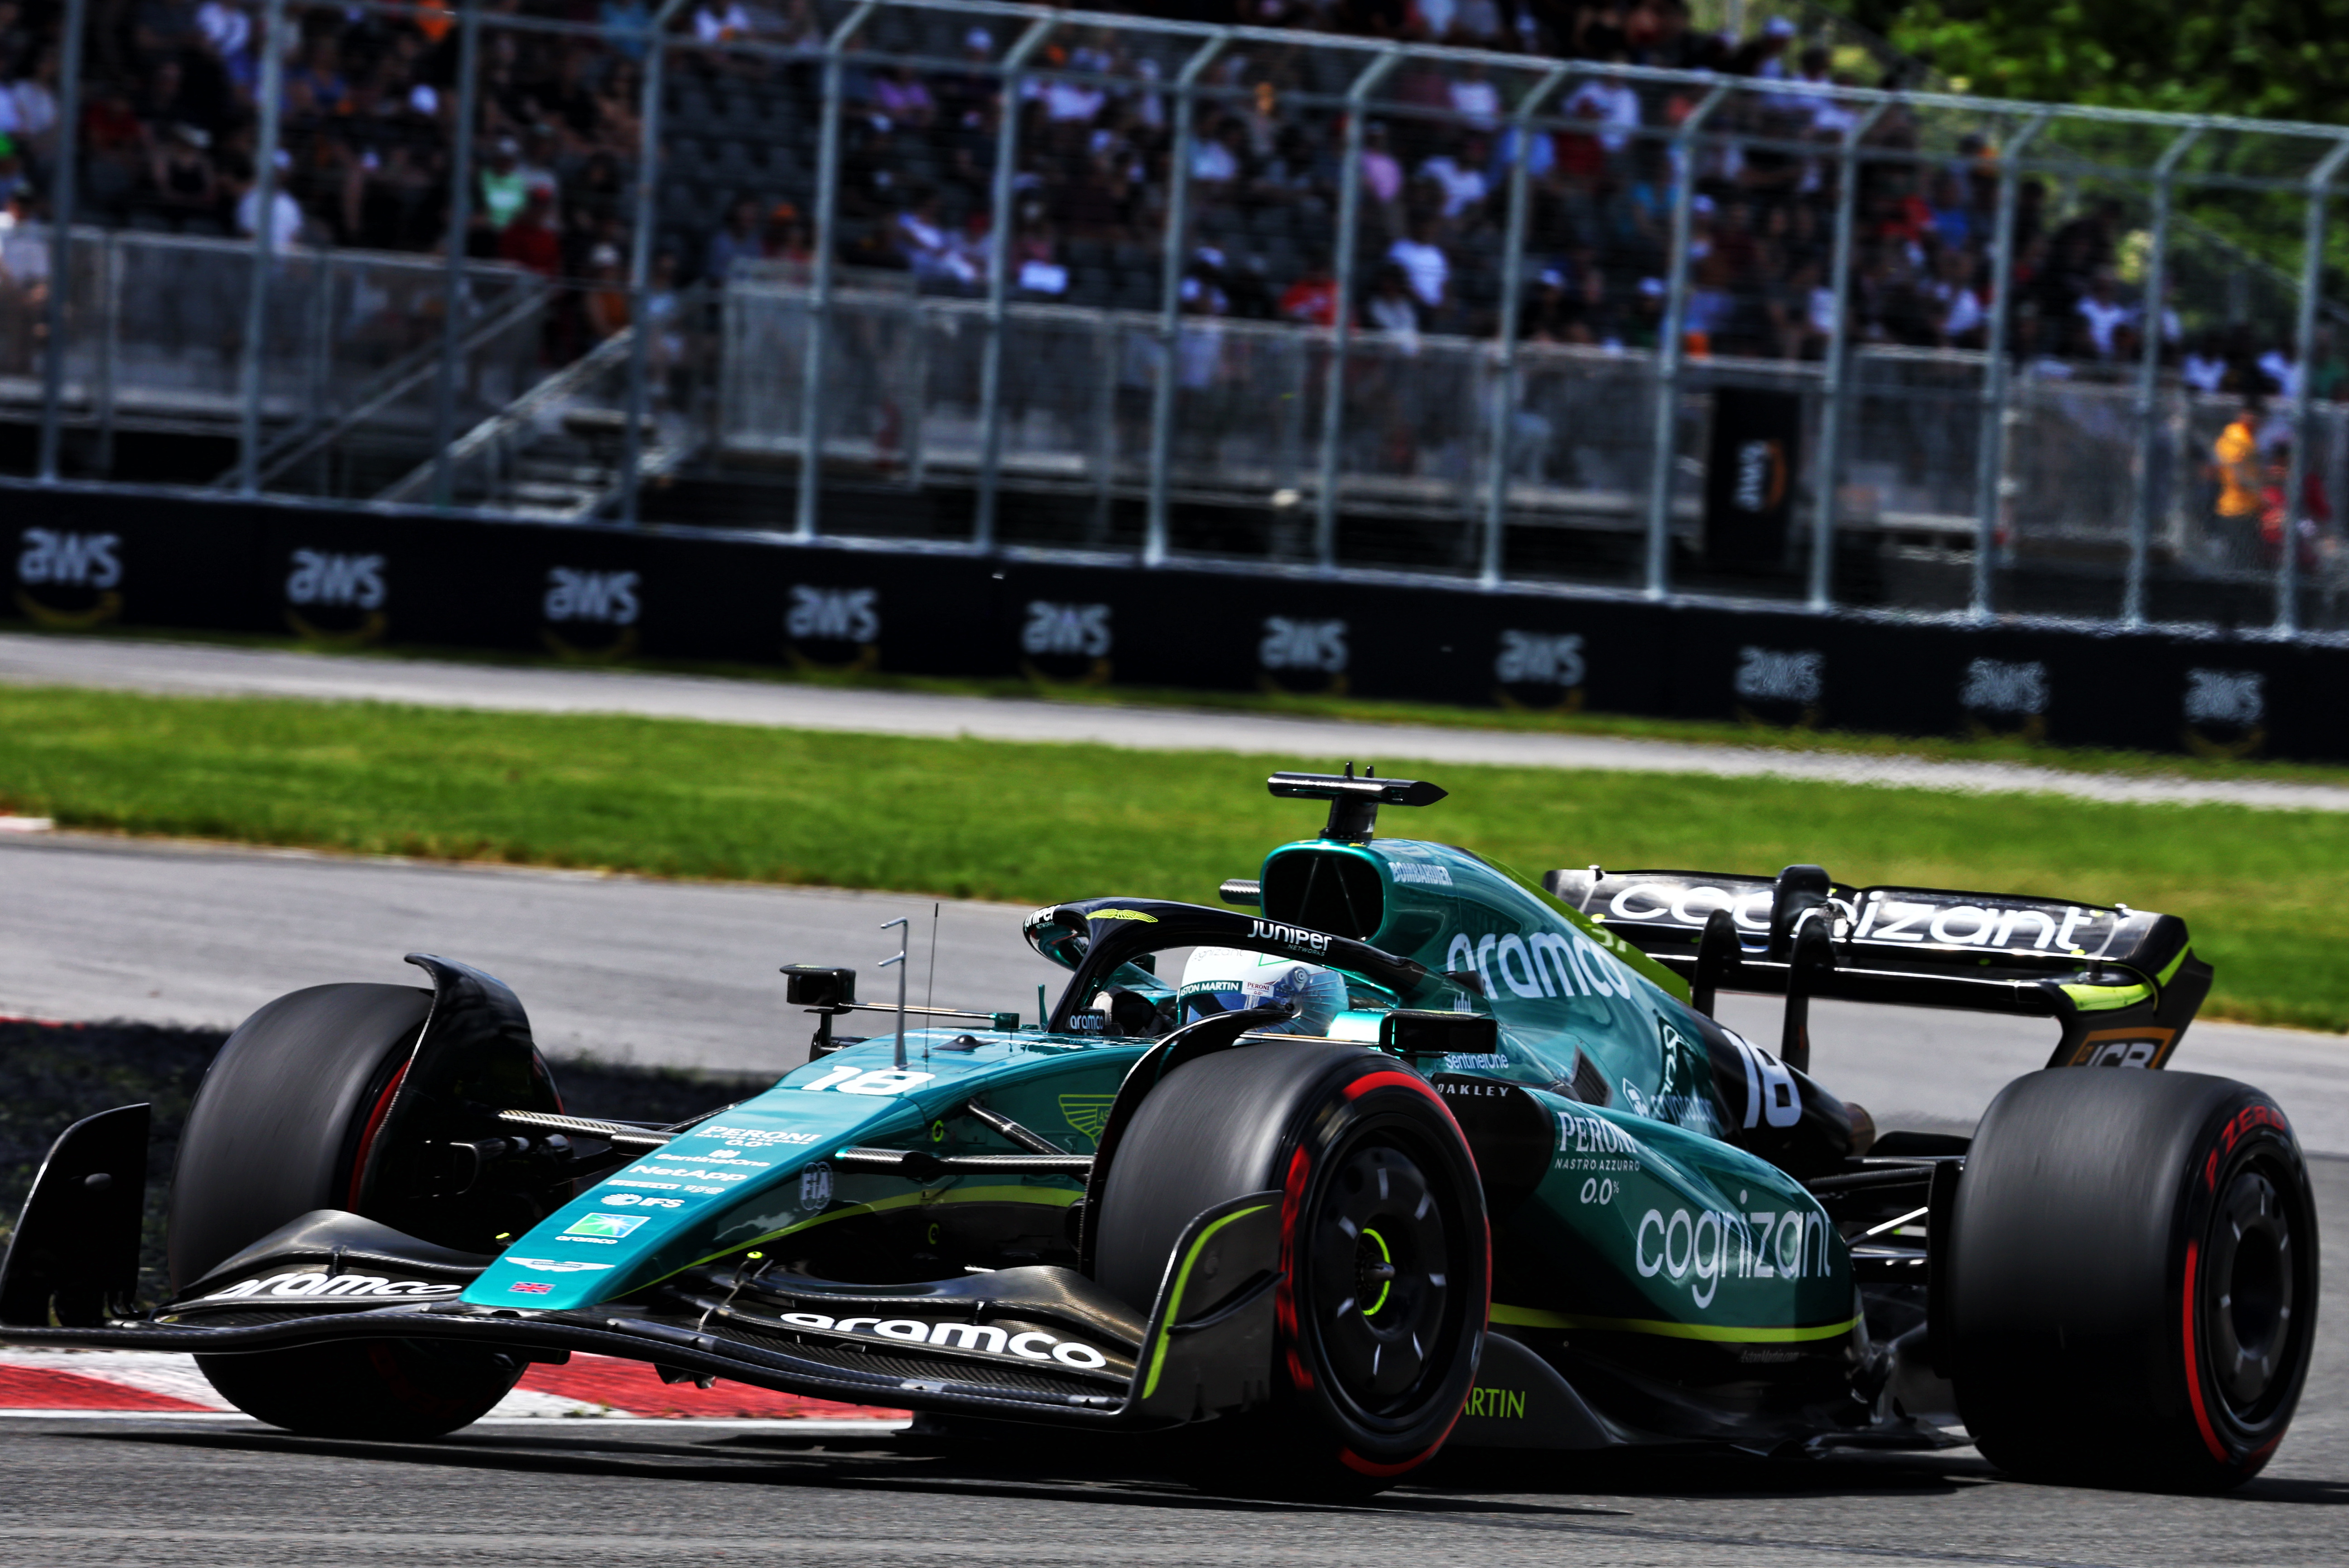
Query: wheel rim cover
x,y
1380,1277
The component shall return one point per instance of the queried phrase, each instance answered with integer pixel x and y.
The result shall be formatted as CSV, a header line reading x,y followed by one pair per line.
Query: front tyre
x,y
1385,1259
282,1125
2134,1280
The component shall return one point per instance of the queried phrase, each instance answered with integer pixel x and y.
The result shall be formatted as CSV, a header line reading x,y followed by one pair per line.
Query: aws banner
x,y
333,578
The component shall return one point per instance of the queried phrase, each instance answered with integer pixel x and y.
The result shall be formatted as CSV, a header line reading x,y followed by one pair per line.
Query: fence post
x,y
2304,411
265,200
1512,289
2148,378
1333,395
460,222
1832,391
1991,453
1670,348
63,195
827,239
640,259
998,260
1169,303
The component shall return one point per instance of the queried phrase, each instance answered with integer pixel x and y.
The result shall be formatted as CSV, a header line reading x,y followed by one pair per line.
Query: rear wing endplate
x,y
2123,983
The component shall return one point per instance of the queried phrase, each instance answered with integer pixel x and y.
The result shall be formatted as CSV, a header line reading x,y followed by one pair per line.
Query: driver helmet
x,y
1233,980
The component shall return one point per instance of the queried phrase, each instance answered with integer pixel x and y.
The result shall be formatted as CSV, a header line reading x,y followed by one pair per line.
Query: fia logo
x,y
1769,675
600,599
70,560
1080,629
815,1188
1303,645
1540,658
352,582
833,615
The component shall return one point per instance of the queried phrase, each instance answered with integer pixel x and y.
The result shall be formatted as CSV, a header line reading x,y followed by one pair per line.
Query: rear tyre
x,y
1381,1316
2133,1278
279,1127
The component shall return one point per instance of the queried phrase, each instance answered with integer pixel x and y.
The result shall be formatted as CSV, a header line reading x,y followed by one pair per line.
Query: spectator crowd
x,y
169,139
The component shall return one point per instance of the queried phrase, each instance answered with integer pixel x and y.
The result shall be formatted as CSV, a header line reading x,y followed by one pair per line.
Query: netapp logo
x,y
833,615
1992,687
355,582
1538,659
604,599
1082,630
73,560
1303,645
1294,935
2212,696
1768,675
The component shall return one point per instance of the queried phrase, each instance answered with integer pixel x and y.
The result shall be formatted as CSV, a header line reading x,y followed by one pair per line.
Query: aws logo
x,y
1066,643
1781,679
583,601
1761,476
66,580
2017,693
832,628
2226,712
336,598
1291,648
1540,672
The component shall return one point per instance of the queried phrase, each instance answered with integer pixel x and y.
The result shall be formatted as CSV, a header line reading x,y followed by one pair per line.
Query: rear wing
x,y
2123,983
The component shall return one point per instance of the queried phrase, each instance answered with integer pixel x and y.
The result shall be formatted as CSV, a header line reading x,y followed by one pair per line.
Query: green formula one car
x,y
1395,1149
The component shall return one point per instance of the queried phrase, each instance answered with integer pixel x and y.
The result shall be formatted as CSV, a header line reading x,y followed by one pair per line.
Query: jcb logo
x,y
72,560
603,598
1082,630
355,582
833,615
1303,645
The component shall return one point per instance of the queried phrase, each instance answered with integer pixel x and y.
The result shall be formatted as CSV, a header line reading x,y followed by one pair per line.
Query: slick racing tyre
x,y
1386,1261
2134,1276
279,1127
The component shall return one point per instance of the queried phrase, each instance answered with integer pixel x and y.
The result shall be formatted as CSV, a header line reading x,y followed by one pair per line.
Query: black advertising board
x,y
82,560
1749,491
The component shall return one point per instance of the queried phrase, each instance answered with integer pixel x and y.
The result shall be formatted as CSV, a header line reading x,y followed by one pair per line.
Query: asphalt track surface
x,y
190,669
155,1490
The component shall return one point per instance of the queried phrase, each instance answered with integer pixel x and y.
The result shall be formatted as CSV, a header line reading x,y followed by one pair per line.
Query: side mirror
x,y
1411,1034
813,985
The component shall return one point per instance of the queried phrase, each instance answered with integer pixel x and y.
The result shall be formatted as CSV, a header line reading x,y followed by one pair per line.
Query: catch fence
x,y
1005,277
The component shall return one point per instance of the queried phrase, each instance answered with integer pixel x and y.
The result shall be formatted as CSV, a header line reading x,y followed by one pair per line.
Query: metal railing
x,y
1560,285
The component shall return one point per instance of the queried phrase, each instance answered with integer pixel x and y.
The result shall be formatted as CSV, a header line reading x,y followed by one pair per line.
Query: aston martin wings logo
x,y
1087,1113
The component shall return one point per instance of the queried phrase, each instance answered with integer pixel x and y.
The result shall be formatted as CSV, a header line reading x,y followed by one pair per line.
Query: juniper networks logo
x,y
68,579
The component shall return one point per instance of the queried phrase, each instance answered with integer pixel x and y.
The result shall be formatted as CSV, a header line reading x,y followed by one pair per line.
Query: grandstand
x,y
1449,287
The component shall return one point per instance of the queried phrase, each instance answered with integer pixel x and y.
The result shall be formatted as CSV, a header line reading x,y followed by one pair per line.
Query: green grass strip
x,y
1036,823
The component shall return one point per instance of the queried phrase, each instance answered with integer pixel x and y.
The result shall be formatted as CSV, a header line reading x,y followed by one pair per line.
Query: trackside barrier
x,y
93,558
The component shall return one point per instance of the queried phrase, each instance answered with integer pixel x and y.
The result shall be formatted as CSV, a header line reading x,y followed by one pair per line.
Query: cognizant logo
x,y
1704,1247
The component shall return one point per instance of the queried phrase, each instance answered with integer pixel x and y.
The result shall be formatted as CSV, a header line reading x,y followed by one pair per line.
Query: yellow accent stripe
x,y
1535,1317
1174,1302
2171,968
1050,1197
2107,998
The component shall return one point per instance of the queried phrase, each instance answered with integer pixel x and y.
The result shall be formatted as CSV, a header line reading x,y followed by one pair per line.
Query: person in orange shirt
x,y
2234,463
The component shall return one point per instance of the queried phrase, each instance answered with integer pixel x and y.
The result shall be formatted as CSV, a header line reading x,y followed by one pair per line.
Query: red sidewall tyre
x,y
2134,1280
1386,1257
